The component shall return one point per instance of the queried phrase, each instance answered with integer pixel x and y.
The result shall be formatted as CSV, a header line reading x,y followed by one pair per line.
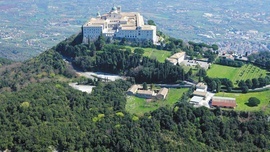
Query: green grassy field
x,y
247,71
139,106
241,100
160,55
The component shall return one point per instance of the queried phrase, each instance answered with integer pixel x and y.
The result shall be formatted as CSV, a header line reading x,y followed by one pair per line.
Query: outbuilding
x,y
200,94
147,94
162,93
196,100
223,102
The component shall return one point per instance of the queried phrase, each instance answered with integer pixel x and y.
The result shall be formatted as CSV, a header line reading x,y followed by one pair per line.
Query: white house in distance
x,y
177,58
118,24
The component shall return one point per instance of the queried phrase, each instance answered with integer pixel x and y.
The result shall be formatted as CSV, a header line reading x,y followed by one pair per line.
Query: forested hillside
x,y
4,61
39,111
44,67
51,115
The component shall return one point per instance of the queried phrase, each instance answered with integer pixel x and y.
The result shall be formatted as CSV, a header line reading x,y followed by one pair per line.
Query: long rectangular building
x,y
223,102
117,24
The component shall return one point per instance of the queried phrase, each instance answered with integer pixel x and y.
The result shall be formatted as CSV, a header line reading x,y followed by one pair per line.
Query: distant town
x,y
27,30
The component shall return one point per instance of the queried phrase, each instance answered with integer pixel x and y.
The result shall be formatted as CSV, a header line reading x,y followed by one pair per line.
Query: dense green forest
x,y
51,115
229,62
116,59
44,67
113,57
261,59
39,111
4,61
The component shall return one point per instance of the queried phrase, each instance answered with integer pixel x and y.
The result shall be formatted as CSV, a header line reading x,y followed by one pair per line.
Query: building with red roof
x,y
223,102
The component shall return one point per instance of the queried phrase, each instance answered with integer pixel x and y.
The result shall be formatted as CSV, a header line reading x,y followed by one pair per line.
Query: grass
x,y
241,100
160,55
247,71
139,106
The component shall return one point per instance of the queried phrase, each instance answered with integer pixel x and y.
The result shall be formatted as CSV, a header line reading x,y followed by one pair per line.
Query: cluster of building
x,y
233,57
201,97
137,90
180,58
118,24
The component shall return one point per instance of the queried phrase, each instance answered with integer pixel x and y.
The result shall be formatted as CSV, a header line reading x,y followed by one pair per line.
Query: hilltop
x,y
39,111
29,28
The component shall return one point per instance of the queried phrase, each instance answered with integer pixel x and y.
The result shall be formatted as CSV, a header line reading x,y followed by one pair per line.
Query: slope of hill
x,y
52,116
40,112
46,66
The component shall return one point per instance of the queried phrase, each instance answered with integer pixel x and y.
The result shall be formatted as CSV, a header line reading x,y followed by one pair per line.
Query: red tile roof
x,y
223,102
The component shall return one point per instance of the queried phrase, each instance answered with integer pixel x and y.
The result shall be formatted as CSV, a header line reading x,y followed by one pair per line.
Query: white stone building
x,y
118,24
177,58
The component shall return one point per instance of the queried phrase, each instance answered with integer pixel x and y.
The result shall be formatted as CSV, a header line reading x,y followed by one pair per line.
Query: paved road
x,y
83,88
259,89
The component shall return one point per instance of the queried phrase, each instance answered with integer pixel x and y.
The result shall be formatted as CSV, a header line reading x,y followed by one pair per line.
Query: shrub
x,y
253,101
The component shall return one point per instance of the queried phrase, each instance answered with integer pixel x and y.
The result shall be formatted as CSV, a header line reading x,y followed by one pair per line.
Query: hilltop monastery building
x,y
118,24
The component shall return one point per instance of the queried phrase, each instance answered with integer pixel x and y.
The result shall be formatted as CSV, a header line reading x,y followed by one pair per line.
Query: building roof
x,y
173,61
200,90
199,93
196,99
223,102
132,19
148,27
200,85
174,58
163,91
178,55
134,88
145,92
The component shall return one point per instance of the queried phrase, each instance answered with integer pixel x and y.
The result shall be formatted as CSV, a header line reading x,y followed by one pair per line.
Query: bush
x,y
253,101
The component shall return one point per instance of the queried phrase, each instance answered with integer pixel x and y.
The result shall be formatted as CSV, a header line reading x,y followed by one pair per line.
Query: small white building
x,y
201,87
196,100
177,58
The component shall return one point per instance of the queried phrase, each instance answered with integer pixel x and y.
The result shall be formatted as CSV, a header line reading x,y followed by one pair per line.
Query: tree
x,y
202,72
139,51
213,85
100,42
190,72
144,86
218,87
244,89
253,101
93,49
262,82
249,83
215,47
241,84
267,65
255,83
123,41
151,22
